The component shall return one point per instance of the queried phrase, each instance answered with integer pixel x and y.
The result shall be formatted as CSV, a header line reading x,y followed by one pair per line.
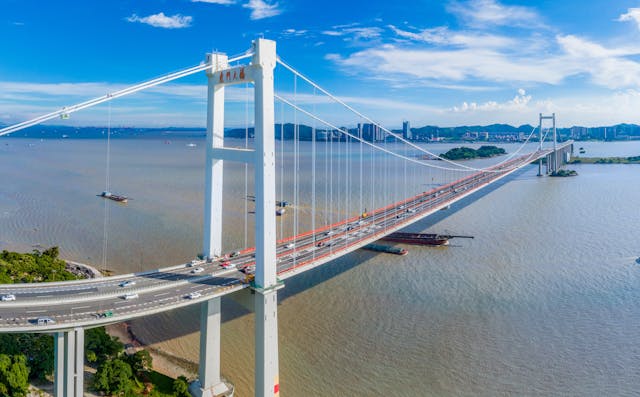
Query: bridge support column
x,y
214,167
69,363
209,383
267,381
58,365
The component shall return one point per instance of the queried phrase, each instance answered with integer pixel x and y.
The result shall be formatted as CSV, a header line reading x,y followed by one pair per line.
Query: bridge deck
x,y
102,301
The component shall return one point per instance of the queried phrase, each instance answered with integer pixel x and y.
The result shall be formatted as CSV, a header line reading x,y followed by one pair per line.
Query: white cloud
x,y
355,33
519,103
223,2
162,21
443,36
633,14
261,9
294,32
490,12
392,62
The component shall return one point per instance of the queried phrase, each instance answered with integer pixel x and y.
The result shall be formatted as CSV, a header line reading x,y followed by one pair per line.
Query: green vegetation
x,y
34,350
14,375
181,387
31,356
564,173
464,153
606,160
33,268
37,350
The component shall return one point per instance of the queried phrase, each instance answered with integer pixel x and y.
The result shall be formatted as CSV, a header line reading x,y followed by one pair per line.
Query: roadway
x,y
100,301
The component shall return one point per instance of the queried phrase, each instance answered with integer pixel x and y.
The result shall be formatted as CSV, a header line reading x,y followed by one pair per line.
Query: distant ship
x,y
114,197
421,238
191,145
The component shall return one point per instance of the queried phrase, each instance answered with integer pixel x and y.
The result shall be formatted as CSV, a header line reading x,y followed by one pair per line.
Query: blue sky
x,y
430,62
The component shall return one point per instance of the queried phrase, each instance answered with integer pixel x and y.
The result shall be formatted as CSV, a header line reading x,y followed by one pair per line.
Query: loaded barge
x,y
114,197
386,249
421,238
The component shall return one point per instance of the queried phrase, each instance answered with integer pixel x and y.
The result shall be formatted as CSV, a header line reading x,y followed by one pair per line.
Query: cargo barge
x,y
114,197
421,238
386,249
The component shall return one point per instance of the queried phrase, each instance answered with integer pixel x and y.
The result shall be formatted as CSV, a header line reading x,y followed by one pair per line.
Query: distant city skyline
x,y
450,63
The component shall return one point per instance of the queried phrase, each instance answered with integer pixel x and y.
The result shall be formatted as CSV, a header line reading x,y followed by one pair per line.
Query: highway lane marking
x,y
164,293
80,307
35,311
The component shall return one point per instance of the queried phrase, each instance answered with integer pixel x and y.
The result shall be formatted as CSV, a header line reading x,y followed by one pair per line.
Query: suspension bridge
x,y
253,273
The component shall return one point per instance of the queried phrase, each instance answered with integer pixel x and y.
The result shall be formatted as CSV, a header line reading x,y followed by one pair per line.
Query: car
x,y
320,244
130,296
329,233
45,321
197,270
235,253
194,295
8,297
249,269
128,283
290,245
228,265
108,313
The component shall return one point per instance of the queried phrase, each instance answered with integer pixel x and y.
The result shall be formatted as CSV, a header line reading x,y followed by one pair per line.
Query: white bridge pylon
x,y
263,158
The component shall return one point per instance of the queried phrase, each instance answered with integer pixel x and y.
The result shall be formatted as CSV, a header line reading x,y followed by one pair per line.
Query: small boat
x,y
280,211
191,145
638,261
114,197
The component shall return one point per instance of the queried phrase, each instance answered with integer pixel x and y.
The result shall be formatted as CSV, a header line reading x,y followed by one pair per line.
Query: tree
x,y
37,349
113,377
14,376
140,361
101,344
181,387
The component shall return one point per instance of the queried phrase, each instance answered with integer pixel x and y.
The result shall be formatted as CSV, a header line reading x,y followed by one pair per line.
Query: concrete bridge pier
x,y
69,363
209,383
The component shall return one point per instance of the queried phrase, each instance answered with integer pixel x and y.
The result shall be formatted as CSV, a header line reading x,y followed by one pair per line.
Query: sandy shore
x,y
163,362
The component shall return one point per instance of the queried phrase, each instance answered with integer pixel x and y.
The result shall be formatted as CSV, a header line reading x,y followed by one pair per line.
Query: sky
x,y
446,63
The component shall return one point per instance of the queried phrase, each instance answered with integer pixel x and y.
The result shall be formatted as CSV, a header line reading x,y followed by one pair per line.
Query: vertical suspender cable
x,y
361,209
105,231
246,166
296,133
313,174
281,165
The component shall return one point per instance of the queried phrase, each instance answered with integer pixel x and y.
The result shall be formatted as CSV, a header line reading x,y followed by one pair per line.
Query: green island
x,y
606,160
564,173
26,358
466,153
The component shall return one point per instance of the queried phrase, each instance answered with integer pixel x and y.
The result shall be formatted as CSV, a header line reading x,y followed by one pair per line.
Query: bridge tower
x,y
552,160
260,72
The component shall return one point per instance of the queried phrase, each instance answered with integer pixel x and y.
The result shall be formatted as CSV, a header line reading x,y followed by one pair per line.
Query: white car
x,y
290,245
8,297
127,283
130,296
197,270
194,295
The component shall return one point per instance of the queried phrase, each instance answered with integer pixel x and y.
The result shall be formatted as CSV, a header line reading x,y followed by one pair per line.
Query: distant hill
x,y
286,131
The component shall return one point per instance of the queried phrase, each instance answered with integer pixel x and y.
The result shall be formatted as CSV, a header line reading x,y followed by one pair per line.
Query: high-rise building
x,y
406,131
371,132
